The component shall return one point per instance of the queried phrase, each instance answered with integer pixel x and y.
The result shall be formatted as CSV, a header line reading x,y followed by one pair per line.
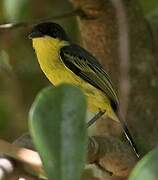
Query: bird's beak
x,y
35,34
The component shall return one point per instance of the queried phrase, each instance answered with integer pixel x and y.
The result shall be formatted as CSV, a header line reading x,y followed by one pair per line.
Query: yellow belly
x,y
96,99
57,73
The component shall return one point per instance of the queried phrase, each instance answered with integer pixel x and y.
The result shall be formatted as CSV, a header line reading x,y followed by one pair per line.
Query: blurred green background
x,y
20,75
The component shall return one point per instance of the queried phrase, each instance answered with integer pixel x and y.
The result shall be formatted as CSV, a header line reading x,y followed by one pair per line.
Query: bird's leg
x,y
95,118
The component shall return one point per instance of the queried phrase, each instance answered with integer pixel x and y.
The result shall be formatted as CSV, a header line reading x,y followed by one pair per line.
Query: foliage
x,y
150,9
147,168
57,124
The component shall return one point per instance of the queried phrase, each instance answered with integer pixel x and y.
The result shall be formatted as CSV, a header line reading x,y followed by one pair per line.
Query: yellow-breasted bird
x,y
65,62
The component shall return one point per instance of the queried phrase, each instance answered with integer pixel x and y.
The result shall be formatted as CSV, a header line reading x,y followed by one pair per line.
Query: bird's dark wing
x,y
84,65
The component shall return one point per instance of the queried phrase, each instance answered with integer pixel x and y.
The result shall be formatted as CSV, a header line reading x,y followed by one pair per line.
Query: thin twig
x,y
95,118
10,26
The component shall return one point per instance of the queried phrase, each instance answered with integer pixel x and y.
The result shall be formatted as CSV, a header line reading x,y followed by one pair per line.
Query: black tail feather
x,y
129,136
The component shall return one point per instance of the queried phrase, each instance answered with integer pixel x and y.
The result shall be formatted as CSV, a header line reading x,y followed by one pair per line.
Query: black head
x,y
48,29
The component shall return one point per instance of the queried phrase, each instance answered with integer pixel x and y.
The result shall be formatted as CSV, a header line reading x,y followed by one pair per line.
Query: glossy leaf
x,y
147,168
57,124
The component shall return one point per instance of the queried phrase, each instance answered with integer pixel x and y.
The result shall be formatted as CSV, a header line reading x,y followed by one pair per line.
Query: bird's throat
x,y
46,47
48,54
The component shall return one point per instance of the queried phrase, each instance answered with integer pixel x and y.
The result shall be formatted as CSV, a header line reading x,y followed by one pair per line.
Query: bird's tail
x,y
128,134
117,116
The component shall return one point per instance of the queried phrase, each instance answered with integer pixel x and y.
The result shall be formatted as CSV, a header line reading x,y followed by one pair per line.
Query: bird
x,y
63,61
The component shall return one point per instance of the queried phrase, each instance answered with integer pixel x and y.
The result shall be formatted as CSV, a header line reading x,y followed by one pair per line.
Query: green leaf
x,y
146,168
57,124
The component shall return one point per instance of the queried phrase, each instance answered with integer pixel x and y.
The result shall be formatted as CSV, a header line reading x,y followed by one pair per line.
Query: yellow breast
x,y
49,59
48,53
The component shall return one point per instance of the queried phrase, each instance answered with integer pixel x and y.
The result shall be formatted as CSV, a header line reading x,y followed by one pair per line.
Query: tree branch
x,y
111,155
101,151
124,54
10,26
26,156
